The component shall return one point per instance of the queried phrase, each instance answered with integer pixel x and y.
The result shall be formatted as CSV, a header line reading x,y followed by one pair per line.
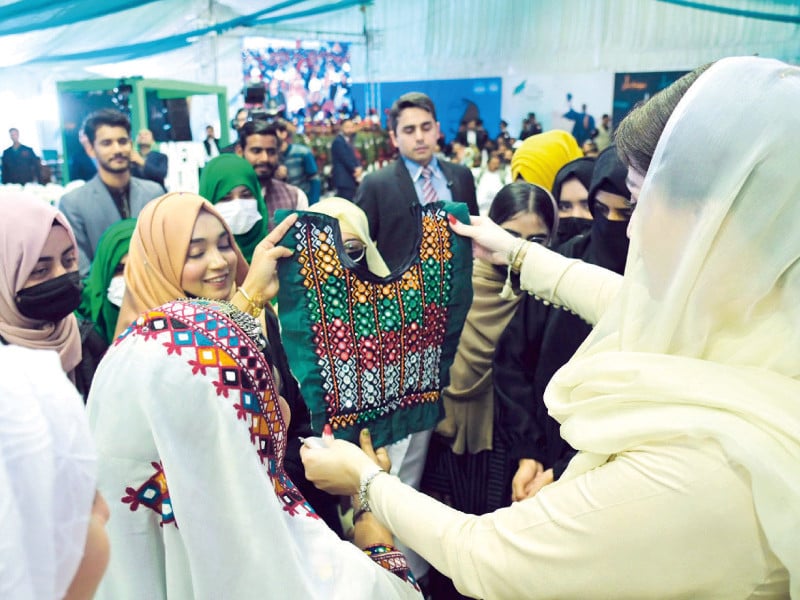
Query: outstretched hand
x,y
337,467
490,242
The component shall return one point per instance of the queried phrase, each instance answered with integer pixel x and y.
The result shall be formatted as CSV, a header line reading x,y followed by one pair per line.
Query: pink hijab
x,y
25,223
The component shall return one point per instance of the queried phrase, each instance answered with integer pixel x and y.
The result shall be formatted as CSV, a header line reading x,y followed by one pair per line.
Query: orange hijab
x,y
158,251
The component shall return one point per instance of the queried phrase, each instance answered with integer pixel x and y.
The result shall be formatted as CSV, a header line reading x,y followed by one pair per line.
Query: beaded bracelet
x,y
366,478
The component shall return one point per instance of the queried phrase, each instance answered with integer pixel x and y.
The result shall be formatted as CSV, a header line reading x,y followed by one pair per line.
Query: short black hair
x,y
410,100
104,116
257,127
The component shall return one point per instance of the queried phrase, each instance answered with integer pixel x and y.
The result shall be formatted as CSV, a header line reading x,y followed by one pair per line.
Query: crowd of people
x,y
580,382
304,84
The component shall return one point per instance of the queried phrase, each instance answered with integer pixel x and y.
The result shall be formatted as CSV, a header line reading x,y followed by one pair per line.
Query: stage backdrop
x,y
630,88
452,98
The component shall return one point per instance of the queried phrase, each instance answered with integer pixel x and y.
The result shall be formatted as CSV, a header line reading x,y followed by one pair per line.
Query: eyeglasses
x,y
536,238
355,249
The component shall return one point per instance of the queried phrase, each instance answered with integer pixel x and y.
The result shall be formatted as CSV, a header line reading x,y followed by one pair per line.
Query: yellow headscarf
x,y
352,220
541,156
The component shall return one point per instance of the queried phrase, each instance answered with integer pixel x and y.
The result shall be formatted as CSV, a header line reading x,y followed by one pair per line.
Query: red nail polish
x,y
327,432
452,219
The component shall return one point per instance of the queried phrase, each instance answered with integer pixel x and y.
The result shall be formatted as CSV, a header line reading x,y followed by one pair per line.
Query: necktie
x,y
428,193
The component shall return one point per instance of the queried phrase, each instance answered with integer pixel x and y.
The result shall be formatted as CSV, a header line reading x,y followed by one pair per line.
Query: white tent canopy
x,y
547,43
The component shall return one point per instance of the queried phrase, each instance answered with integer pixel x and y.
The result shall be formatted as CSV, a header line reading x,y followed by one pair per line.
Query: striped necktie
x,y
428,193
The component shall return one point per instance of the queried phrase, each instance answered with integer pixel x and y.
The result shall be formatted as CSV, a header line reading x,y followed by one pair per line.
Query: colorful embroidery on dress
x,y
152,494
372,352
391,559
213,345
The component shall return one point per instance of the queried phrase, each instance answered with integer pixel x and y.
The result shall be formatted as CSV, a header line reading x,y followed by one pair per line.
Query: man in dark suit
x,y
20,163
211,143
110,195
149,163
391,197
346,170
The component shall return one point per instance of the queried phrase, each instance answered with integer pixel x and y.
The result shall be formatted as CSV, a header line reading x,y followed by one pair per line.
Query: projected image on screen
x,y
303,81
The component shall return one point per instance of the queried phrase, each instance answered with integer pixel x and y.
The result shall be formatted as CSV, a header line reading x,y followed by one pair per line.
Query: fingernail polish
x,y
452,219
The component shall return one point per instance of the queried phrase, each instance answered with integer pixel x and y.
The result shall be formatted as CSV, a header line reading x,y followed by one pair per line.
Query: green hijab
x,y
219,177
95,307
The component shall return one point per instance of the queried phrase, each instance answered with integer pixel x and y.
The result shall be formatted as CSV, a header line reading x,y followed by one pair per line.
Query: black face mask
x,y
51,300
569,227
610,243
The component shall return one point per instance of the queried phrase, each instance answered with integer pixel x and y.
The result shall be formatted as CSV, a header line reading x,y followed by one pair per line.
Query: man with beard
x,y
541,338
112,194
259,145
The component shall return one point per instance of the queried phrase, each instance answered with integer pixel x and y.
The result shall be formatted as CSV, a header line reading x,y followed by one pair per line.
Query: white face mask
x,y
116,290
240,215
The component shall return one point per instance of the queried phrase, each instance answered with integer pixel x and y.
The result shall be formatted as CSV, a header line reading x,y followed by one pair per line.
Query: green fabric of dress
x,y
373,351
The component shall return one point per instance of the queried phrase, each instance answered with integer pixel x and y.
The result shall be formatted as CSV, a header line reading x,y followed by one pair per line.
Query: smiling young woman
x,y
182,247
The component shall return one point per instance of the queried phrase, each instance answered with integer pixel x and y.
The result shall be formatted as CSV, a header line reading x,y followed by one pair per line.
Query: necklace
x,y
249,325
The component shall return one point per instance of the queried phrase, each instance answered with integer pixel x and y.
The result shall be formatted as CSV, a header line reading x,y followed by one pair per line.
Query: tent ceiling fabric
x,y
409,39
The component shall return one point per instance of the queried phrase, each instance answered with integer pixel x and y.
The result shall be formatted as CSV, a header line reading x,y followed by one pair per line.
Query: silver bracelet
x,y
367,476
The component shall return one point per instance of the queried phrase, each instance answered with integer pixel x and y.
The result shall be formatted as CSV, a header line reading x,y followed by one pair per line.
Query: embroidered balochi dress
x,y
190,443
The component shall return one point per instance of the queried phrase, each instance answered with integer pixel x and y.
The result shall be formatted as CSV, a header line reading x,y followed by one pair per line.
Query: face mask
x,y
116,290
569,227
240,215
51,300
610,243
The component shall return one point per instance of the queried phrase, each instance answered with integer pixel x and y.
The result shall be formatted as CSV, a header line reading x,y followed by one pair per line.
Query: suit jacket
x,y
389,199
156,165
90,210
207,145
344,161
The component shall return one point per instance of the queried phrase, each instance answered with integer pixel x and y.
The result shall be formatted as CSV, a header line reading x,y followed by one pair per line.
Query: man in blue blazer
x,y
112,194
392,196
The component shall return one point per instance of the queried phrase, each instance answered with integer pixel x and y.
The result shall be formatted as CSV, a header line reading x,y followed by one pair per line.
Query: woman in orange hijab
x,y
181,247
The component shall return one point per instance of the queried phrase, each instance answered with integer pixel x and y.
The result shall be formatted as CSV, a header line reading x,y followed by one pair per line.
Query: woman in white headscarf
x,y
683,402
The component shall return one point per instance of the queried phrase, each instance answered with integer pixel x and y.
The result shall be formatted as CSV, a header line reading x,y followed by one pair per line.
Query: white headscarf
x,y
191,444
47,475
704,339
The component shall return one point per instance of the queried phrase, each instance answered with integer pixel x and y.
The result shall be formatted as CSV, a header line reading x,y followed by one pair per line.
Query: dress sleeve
x,y
480,554
587,290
